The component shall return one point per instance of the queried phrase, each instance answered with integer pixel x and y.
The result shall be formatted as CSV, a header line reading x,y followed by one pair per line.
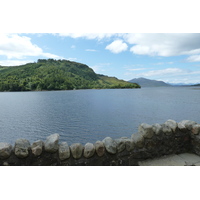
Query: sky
x,y
170,57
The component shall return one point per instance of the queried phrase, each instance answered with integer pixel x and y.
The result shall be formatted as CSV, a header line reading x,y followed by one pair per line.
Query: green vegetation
x,y
56,75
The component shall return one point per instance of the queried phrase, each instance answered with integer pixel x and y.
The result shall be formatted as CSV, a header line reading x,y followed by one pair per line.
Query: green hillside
x,y
56,75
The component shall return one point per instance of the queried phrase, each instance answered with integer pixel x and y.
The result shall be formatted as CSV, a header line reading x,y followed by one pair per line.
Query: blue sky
x,y
170,57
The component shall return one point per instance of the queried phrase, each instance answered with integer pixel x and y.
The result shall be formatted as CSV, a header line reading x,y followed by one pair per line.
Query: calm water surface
x,y
91,115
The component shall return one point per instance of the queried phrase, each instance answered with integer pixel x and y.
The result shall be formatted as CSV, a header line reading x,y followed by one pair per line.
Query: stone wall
x,y
151,141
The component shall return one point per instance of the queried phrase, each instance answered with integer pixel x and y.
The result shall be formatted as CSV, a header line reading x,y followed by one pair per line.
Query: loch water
x,y
90,115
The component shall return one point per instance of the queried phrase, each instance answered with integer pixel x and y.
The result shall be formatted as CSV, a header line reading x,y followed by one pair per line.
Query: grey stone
x,y
121,145
129,144
37,147
110,145
157,128
195,129
166,129
51,143
22,147
5,150
182,127
63,151
138,139
89,150
172,124
188,124
146,130
100,148
76,150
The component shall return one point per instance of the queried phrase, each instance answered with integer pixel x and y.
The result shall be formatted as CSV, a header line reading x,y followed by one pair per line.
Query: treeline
x,y
56,75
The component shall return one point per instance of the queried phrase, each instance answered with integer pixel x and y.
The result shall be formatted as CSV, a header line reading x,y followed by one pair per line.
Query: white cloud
x,y
159,63
50,55
72,59
170,75
152,44
16,46
117,46
14,62
91,50
162,63
164,72
164,44
100,67
194,58
137,69
90,36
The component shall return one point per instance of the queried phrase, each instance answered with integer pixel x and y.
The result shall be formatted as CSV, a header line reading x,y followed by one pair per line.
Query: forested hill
x,y
56,75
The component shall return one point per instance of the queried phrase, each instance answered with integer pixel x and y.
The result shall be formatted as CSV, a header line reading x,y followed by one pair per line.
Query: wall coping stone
x,y
172,124
37,147
89,150
110,145
195,129
5,150
64,151
100,148
22,147
76,150
51,143
146,130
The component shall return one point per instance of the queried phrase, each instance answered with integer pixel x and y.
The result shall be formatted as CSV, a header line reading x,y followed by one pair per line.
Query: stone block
x,y
138,139
51,143
63,151
22,147
76,150
130,145
157,128
188,124
121,144
5,150
146,130
182,127
195,130
100,148
110,145
166,129
89,150
172,124
37,147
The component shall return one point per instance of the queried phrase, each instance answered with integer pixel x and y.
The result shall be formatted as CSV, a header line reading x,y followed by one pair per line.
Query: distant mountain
x,y
196,85
181,84
144,82
56,75
184,84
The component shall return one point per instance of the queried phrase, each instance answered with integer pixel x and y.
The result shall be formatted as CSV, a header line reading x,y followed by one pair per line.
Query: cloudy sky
x,y
171,57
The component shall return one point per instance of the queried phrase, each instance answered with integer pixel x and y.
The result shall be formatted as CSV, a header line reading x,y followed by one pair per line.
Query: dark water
x,y
91,115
